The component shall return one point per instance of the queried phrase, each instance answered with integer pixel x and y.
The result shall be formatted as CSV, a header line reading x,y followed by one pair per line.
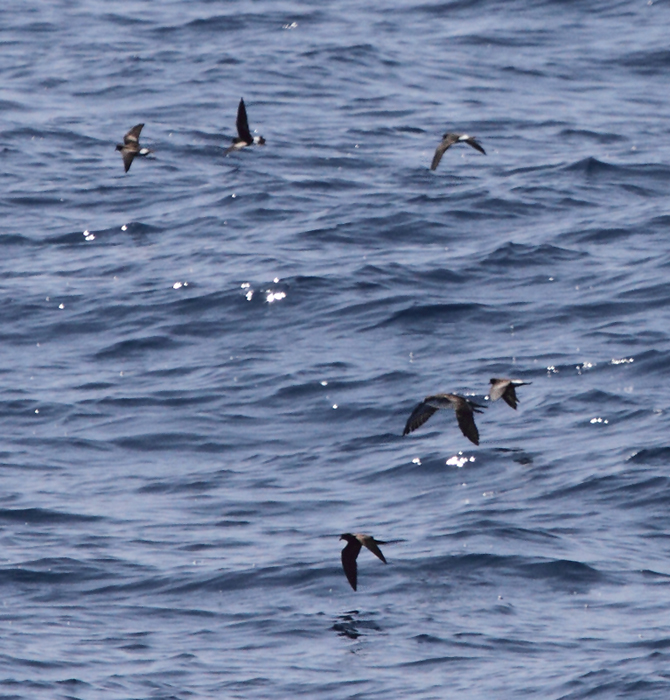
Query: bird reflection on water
x,y
350,625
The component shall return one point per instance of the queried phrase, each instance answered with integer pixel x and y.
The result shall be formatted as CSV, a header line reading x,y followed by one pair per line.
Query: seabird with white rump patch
x,y
449,140
131,146
244,137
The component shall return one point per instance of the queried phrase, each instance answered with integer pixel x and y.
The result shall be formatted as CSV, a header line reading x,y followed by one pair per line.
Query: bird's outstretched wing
x,y
477,146
243,124
133,136
498,387
128,157
349,556
371,543
466,422
439,152
419,416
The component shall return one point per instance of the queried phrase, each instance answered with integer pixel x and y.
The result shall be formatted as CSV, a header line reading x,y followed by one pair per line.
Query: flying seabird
x,y
244,137
465,409
450,140
505,389
131,146
350,553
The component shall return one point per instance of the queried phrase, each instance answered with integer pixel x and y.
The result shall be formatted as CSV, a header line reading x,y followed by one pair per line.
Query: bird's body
x,y
131,146
505,389
449,140
244,137
351,551
465,410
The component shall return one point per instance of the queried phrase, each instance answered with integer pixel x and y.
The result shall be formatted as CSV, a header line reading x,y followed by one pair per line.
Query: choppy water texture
x,y
207,363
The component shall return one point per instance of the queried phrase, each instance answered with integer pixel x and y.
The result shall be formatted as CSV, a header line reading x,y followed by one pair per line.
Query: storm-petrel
x,y
450,140
465,409
131,146
244,137
505,389
350,553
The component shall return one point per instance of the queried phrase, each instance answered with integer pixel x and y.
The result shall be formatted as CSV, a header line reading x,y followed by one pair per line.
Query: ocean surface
x,y
207,363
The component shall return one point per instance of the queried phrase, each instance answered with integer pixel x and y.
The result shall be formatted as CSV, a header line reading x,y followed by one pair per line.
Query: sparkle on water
x,y
459,460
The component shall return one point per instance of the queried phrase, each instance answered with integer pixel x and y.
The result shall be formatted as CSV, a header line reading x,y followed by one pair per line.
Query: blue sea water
x,y
207,363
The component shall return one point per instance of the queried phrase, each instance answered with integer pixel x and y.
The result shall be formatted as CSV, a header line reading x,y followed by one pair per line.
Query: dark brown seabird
x,y
350,553
450,140
131,146
244,137
505,389
465,410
